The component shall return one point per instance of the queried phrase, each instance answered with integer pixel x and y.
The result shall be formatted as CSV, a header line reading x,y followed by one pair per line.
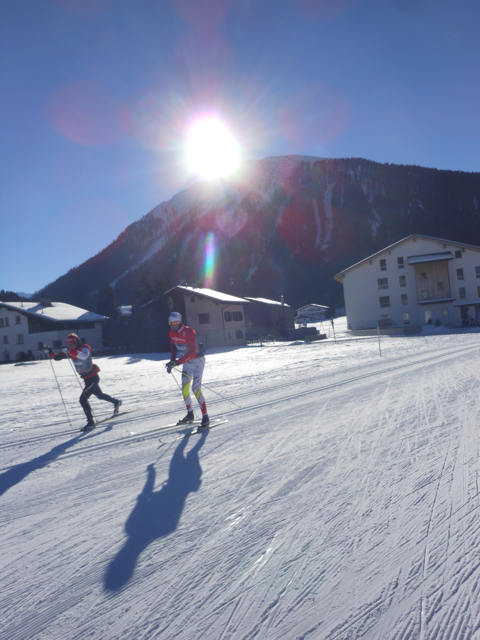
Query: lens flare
x,y
212,151
209,261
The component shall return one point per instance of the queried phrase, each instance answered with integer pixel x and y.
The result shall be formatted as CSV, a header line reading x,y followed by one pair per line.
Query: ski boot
x,y
89,426
205,422
118,404
190,417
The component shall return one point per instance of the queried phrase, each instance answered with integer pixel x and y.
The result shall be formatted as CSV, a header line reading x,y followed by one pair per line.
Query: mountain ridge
x,y
285,226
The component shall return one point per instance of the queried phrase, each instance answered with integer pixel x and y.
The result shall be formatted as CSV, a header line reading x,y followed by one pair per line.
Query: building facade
x,y
311,313
218,318
25,327
418,280
266,317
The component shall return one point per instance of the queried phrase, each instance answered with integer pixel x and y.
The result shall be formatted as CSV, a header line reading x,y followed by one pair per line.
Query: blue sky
x,y
96,97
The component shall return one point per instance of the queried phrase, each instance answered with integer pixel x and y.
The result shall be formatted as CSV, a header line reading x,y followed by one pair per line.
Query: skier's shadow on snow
x,y
157,513
19,472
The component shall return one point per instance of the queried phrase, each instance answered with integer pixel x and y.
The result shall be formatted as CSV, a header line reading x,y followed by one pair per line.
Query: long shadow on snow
x,y
157,513
16,474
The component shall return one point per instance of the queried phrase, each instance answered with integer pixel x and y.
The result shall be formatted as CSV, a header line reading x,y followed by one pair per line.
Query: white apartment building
x,y
418,280
28,326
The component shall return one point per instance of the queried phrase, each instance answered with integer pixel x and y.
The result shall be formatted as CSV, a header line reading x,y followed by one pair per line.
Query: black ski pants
x,y
92,387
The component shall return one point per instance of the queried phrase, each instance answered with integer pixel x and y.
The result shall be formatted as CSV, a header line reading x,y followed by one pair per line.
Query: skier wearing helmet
x,y
81,356
183,352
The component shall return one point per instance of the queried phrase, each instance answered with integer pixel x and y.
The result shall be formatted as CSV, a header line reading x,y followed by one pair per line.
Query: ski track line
x,y
235,412
440,353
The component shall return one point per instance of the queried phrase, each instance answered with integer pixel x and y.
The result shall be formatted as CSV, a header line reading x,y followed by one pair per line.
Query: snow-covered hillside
x,y
341,500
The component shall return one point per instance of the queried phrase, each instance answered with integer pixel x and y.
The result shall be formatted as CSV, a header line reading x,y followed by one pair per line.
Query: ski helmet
x,y
175,317
73,338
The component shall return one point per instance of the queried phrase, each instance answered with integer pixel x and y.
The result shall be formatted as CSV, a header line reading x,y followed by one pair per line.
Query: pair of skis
x,y
196,424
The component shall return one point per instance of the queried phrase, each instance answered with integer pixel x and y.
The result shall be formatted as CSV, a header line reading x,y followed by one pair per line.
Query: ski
x,y
216,422
115,415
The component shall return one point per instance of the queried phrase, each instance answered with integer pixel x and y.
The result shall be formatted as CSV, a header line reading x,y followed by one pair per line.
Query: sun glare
x,y
212,151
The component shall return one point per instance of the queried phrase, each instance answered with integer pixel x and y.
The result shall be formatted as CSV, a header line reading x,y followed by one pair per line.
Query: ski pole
x,y
60,391
80,385
210,389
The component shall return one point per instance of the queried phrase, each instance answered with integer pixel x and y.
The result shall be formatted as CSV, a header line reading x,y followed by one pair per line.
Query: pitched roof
x,y
211,294
395,244
266,301
58,312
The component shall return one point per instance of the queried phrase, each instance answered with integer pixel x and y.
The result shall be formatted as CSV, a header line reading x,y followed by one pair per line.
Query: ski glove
x,y
49,351
65,349
170,365
59,356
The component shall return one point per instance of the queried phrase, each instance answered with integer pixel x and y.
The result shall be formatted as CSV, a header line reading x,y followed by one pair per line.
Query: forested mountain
x,y
285,228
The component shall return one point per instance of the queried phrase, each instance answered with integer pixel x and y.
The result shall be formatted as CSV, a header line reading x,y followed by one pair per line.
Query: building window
x,y
382,283
445,312
5,339
239,334
204,318
1,323
404,298
385,320
406,318
478,291
425,295
18,320
7,323
238,316
384,302
423,275
401,264
440,286
40,345
57,344
458,254
460,274
461,293
403,281
20,338
383,265
477,272
228,316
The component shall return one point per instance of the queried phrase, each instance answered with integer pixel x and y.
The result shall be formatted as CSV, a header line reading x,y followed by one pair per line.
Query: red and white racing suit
x,y
183,348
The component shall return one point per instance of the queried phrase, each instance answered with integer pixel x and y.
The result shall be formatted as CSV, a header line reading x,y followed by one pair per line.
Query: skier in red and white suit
x,y
183,351
81,356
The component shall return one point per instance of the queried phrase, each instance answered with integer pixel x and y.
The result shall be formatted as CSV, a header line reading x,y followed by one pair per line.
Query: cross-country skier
x,y
81,355
183,352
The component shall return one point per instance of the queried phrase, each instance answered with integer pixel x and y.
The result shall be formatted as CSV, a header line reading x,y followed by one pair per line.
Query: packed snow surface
x,y
339,501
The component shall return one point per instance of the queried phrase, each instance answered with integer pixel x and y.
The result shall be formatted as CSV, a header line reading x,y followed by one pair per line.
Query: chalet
x,y
415,281
218,318
311,313
266,317
25,327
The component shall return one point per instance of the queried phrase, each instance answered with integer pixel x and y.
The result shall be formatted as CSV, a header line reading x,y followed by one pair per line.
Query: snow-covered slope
x,y
340,500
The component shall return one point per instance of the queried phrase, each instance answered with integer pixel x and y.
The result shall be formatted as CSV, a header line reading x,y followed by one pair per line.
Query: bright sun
x,y
212,151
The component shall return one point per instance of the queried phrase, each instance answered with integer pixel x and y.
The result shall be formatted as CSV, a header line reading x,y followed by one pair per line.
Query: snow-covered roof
x,y
59,311
212,294
267,301
430,257
320,307
125,310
